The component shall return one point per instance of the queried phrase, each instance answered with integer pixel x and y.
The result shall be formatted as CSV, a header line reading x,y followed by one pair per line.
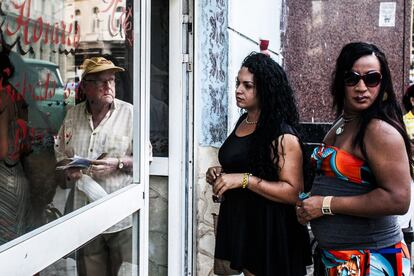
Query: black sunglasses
x,y
370,79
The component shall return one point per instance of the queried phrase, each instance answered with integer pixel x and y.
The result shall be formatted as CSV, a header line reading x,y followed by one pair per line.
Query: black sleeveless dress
x,y
255,233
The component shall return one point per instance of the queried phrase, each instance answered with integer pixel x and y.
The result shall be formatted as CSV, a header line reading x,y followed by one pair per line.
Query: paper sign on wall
x,y
387,14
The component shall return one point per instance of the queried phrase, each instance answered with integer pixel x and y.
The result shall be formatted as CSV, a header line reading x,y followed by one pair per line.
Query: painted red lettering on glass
x,y
125,20
52,33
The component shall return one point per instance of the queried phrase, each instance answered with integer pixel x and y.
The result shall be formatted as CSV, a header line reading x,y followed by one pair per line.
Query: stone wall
x,y
205,208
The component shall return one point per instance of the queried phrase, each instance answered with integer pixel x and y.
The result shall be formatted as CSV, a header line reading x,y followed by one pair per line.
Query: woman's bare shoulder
x,y
380,134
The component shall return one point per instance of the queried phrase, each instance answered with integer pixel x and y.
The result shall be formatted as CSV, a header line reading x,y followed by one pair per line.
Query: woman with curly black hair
x,y
363,171
260,177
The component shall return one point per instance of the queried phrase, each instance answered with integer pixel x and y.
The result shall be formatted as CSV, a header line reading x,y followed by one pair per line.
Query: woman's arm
x,y
388,161
290,183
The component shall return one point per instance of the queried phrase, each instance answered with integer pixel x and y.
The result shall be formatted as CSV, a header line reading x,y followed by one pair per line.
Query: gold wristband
x,y
245,180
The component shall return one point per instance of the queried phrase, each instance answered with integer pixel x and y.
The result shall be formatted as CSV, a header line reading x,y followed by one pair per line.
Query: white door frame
x,y
42,247
176,154
180,155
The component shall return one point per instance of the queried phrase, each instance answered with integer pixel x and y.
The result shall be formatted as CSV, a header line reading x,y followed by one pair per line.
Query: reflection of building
x,y
103,30
45,33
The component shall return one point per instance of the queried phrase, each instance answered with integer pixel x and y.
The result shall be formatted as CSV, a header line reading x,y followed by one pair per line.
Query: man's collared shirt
x,y
113,136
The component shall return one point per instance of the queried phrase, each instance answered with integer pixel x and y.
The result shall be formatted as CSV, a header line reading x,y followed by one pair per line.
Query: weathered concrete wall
x,y
205,207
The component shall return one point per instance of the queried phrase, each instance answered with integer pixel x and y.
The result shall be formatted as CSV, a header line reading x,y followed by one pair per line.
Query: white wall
x,y
254,19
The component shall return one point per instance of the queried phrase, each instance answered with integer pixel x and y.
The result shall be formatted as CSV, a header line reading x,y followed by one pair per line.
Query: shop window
x,y
43,88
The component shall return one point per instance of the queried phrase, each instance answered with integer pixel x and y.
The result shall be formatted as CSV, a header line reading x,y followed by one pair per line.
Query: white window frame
x,y
159,165
42,247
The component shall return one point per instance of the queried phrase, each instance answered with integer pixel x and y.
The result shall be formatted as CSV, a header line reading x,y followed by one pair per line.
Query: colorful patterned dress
x,y
353,245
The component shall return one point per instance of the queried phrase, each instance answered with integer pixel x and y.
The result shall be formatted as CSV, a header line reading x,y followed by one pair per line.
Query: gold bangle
x,y
245,180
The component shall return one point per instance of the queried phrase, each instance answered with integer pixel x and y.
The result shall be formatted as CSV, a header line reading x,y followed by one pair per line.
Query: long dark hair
x,y
385,107
277,110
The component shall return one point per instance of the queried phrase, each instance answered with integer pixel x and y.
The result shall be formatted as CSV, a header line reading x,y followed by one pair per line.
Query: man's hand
x,y
103,167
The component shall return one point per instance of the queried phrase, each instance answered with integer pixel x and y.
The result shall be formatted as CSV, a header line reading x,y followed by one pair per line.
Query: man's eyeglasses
x,y
101,83
371,79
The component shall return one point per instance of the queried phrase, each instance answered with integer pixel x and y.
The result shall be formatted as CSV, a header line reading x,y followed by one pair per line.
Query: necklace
x,y
341,127
249,122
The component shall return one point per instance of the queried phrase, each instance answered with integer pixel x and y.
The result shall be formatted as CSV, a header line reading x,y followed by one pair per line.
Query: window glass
x,y
66,96
159,77
78,261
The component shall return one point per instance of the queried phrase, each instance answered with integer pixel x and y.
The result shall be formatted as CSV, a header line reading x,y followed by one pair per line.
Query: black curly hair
x,y
277,108
385,106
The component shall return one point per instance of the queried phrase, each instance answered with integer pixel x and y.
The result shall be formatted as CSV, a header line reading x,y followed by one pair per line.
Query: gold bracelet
x,y
245,180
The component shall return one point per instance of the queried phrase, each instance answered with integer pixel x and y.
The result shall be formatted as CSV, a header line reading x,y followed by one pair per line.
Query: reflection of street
x,y
67,267
63,267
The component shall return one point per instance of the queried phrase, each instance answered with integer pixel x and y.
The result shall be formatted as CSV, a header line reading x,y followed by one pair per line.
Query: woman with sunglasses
x,y
363,172
260,178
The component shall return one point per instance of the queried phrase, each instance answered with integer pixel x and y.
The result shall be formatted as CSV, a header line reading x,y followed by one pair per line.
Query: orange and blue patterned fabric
x,y
335,162
394,260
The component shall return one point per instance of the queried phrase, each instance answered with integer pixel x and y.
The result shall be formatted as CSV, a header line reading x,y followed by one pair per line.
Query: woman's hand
x,y
212,174
309,209
103,167
226,182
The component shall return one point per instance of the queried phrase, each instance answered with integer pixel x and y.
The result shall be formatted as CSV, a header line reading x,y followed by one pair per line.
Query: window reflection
x,y
46,43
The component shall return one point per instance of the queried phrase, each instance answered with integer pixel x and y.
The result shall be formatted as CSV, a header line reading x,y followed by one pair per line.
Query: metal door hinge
x,y
189,64
188,22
